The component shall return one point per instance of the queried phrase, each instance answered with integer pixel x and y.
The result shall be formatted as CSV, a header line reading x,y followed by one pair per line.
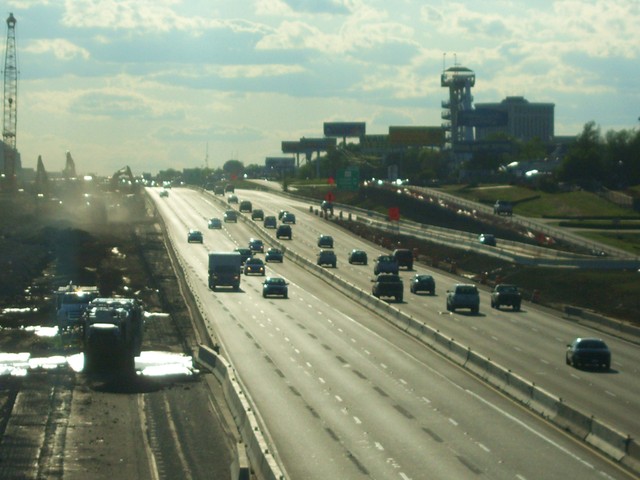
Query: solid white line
x,y
530,429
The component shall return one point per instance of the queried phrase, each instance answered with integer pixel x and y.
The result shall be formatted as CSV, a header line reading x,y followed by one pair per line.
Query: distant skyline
x,y
151,83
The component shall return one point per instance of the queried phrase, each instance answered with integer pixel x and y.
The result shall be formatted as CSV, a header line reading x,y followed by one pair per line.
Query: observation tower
x,y
458,80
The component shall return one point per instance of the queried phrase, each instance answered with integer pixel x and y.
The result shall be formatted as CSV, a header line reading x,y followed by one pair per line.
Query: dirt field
x,y
56,423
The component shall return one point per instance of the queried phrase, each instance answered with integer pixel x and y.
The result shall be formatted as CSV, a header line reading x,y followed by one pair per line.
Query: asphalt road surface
x,y
345,395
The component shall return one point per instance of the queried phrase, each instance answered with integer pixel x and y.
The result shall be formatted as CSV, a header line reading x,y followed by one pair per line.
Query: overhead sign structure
x,y
317,144
416,136
344,129
292,147
280,162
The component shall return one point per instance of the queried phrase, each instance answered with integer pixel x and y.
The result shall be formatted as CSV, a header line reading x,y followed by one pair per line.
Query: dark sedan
x,y
274,255
589,352
358,256
254,266
245,254
275,286
423,283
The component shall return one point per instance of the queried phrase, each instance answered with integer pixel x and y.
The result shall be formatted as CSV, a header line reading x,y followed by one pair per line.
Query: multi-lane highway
x,y
343,394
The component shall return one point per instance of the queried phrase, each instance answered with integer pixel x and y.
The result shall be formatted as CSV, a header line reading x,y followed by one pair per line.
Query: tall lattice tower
x,y
459,81
10,105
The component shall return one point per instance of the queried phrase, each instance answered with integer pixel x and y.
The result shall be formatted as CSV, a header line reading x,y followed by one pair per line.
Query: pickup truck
x,y
388,285
505,294
463,296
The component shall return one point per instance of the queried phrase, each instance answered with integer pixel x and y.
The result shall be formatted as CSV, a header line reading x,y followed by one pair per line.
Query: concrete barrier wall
x,y
258,451
608,440
575,422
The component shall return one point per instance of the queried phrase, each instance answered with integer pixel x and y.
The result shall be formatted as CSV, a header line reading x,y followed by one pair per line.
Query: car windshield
x,y
508,289
275,281
592,345
466,290
254,261
423,278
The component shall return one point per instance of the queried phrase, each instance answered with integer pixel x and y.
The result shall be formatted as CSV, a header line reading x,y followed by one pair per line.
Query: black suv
x,y
325,241
404,257
284,231
327,257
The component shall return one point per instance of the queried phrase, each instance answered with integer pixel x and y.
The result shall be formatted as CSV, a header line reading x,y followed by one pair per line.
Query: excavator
x,y
123,181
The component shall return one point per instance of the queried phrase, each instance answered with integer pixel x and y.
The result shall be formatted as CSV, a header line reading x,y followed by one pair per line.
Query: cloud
x,y
60,48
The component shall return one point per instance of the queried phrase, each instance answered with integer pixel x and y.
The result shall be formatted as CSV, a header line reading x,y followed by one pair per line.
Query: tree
x,y
233,168
584,163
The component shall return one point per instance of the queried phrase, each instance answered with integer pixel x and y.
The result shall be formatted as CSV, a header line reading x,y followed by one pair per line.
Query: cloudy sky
x,y
155,84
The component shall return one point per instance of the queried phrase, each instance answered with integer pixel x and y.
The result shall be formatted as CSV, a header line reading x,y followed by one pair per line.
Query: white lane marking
x,y
403,381
404,477
484,447
383,366
426,400
530,429
357,420
379,446
321,380
610,393
452,421
338,398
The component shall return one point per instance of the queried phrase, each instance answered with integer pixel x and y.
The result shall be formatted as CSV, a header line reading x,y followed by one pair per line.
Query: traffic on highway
x,y
343,393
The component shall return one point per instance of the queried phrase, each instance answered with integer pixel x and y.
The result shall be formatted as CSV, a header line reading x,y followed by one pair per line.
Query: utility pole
x,y
10,106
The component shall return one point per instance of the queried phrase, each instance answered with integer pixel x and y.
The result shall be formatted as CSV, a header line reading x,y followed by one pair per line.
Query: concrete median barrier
x,y
607,439
258,451
544,403
573,421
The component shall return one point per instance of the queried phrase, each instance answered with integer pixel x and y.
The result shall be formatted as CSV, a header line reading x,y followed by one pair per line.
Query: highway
x,y
343,394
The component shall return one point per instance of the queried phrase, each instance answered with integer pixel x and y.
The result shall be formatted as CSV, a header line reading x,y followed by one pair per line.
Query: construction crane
x,y
10,105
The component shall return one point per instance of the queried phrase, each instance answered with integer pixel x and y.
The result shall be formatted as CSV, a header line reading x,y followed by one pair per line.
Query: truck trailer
x,y
112,334
225,270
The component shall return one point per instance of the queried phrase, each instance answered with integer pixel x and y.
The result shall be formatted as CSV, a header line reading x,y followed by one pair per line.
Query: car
x,y
404,257
588,352
463,296
195,236
325,241
270,222
257,214
254,266
274,255
229,188
164,192
245,254
231,216
232,199
421,282
215,223
275,286
388,285
327,257
218,190
281,214
327,207
358,256
289,218
506,294
385,264
284,231
502,207
245,206
256,245
487,239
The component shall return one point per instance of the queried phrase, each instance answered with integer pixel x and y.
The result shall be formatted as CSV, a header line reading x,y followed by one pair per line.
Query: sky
x,y
158,84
